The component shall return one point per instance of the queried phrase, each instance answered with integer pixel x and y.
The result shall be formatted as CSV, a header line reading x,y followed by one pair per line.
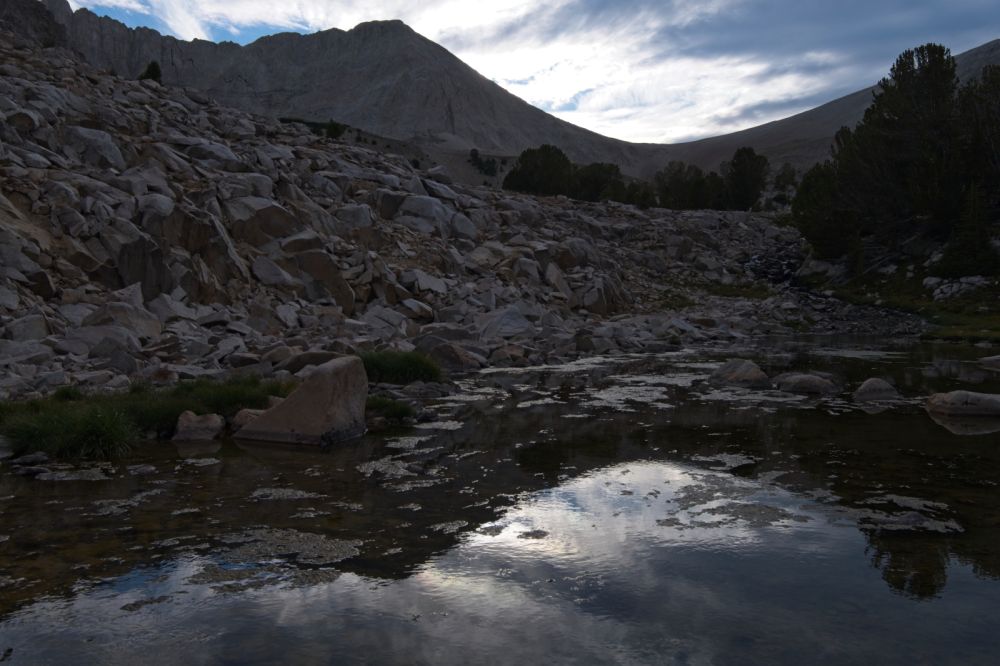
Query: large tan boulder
x,y
964,403
327,408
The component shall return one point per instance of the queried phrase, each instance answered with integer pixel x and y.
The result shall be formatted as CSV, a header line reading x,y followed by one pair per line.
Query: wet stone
x,y
283,494
74,475
305,547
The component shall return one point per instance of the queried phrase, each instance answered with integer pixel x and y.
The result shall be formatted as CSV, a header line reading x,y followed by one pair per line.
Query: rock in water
x,y
805,384
738,372
876,390
194,428
964,403
329,407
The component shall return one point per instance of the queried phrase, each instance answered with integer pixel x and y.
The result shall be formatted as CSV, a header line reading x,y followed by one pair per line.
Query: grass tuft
x,y
394,410
72,424
393,367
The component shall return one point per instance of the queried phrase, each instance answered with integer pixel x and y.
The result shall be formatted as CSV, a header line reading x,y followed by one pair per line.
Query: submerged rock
x,y
194,428
36,458
327,408
990,362
876,390
739,372
806,384
964,403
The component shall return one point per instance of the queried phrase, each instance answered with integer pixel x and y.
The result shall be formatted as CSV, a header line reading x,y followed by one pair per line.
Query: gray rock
x,y
356,216
506,323
139,320
742,373
964,403
30,327
93,147
327,408
272,275
321,267
85,340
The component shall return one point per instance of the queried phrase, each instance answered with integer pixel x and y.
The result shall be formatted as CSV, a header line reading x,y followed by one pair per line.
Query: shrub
x,y
68,394
544,170
487,166
394,367
393,410
334,130
153,72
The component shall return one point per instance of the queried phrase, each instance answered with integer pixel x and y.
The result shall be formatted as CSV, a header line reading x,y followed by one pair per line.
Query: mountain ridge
x,y
436,100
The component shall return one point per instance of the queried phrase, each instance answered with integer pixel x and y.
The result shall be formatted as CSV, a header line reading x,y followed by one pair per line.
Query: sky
x,y
641,70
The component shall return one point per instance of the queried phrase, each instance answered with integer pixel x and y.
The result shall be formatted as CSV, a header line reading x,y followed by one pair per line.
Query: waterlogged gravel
x,y
265,544
440,425
628,398
283,494
387,467
74,475
406,443
202,462
450,527
117,507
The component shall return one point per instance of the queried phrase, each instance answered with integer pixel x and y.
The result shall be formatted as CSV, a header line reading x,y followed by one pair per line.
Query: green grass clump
x,y
72,424
71,430
394,410
395,367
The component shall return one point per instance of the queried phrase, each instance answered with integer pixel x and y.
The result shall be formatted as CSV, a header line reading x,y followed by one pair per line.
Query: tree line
x,y
923,165
738,185
921,169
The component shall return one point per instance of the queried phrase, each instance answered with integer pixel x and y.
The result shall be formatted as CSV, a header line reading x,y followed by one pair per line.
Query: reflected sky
x,y
636,563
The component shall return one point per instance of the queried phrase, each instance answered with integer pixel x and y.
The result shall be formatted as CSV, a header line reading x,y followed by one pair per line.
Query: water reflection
x,y
644,562
619,511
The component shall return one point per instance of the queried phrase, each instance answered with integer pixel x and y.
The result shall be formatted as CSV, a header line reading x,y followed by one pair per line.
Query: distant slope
x,y
806,138
387,79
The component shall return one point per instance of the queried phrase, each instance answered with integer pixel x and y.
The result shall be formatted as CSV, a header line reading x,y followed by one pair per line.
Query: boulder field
x,y
149,234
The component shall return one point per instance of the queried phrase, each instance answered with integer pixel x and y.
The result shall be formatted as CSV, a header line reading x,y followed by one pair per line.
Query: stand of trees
x,y
924,162
547,171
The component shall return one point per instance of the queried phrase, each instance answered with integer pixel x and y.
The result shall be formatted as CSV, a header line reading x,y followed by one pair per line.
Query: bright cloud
x,y
640,70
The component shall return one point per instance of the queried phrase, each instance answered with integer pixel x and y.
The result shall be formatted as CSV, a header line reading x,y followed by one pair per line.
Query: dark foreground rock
x,y
327,408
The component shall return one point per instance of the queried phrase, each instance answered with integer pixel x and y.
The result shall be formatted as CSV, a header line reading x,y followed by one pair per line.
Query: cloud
x,y
641,70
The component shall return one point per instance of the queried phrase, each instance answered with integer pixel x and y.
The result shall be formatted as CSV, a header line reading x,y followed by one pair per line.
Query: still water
x,y
614,511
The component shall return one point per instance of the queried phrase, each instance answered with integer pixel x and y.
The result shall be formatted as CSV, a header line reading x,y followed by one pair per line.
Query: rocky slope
x,y
386,79
148,233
